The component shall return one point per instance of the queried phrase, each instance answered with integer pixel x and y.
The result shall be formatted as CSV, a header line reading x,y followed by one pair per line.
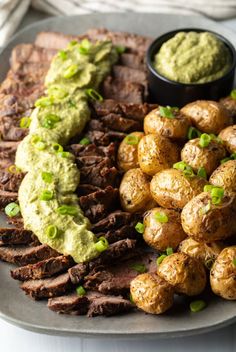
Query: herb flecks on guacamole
x,y
191,57
60,115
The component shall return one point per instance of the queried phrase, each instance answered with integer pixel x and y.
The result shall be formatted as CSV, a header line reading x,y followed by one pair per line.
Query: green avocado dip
x,y
191,57
47,198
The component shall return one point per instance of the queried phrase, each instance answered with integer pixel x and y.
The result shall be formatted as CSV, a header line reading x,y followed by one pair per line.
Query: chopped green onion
x,y
233,94
139,267
217,192
161,217
84,47
12,209
216,200
208,188
80,291
67,210
131,139
215,138
13,169
93,94
64,154
201,172
62,54
46,195
204,210
120,49
161,258
205,140
182,166
25,122
38,142
72,104
44,101
225,160
84,141
102,244
234,261
50,120
197,306
131,299
57,92
73,42
169,251
139,227
193,133
209,262
167,112
71,71
52,231
57,147
47,177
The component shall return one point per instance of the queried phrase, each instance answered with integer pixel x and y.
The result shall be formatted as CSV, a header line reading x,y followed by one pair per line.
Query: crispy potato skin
x,y
151,294
209,157
218,223
207,115
223,274
225,176
135,193
230,105
171,189
185,274
228,136
162,235
176,128
156,153
127,157
204,252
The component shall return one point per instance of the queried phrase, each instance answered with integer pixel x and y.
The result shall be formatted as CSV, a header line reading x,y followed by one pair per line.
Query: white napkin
x,y
12,11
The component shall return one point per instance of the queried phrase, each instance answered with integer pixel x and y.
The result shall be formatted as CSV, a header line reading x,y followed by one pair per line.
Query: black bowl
x,y
164,91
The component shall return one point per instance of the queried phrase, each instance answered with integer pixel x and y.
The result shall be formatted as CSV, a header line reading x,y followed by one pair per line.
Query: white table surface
x,y
14,339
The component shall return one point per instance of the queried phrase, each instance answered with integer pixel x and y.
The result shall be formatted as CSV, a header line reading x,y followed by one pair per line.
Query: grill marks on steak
x,y
12,236
123,91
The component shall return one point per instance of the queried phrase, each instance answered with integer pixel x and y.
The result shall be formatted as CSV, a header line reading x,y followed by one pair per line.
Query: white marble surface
x,y
14,339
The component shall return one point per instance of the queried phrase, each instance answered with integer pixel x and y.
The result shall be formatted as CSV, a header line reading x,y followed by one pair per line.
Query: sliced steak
x,y
43,269
126,231
80,150
133,61
85,189
7,197
54,40
129,74
108,305
10,181
10,132
118,123
69,304
105,138
22,255
8,149
45,288
10,236
114,221
98,204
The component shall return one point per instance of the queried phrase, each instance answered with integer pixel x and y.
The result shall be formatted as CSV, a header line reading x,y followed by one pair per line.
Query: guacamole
x,y
191,57
47,198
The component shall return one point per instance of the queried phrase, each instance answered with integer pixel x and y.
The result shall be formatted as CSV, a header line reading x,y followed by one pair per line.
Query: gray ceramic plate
x,y
16,308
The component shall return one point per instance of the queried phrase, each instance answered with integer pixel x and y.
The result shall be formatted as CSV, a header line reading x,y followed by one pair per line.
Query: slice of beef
x,y
126,231
105,138
118,123
17,221
54,40
8,149
5,163
78,272
80,150
34,69
88,160
124,73
45,288
7,197
10,132
98,204
10,236
96,125
69,304
10,181
102,175
122,91
133,61
113,221
85,189
23,255
108,305
43,269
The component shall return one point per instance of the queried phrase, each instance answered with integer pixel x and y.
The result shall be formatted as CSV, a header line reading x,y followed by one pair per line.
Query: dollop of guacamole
x,y
60,115
191,57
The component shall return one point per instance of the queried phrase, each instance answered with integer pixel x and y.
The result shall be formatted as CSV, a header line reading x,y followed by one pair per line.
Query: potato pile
x,y
181,175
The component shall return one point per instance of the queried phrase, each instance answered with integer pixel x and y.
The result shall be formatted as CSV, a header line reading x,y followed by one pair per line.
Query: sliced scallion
x,y
102,244
131,140
64,154
25,122
57,147
47,177
201,172
233,94
120,49
93,94
71,71
139,227
161,258
139,267
234,261
67,210
12,209
13,169
46,195
197,306
193,133
84,141
80,291
63,54
167,111
205,140
169,251
161,217
44,101
52,231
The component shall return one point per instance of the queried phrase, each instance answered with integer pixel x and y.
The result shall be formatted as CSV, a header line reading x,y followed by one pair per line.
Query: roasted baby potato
x,y
163,228
223,274
173,128
208,157
208,116
225,176
206,222
172,189
151,294
184,273
135,193
230,104
204,252
156,153
127,157
228,136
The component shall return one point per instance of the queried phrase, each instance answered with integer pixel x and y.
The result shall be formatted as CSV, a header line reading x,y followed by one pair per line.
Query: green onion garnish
x,y
67,210
47,177
201,172
93,94
233,94
208,188
161,217
139,267
131,299
73,42
13,169
44,101
46,195
64,154
161,258
72,104
131,139
197,306
217,192
38,142
120,49
84,141
215,138
168,111
182,166
80,291
52,231
25,122
169,251
204,210
84,47
12,209
57,92
50,120
57,147
62,54
234,261
139,227
205,140
102,244
193,133
225,160
71,71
